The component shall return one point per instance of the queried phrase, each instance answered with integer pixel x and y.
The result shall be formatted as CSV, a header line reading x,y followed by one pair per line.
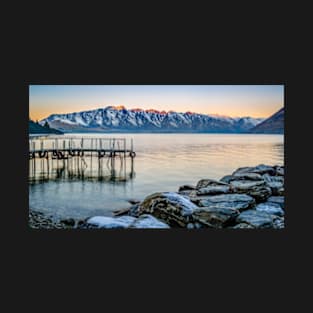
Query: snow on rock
x,y
144,221
187,207
63,120
80,120
111,222
173,209
148,221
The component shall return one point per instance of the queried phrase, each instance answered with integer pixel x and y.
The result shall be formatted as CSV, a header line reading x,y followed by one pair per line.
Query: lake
x,y
163,163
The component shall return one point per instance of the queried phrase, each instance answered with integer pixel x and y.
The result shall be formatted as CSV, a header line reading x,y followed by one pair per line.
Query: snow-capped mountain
x,y
119,119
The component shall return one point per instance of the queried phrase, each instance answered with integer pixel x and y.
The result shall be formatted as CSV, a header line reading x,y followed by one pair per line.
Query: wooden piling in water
x,y
110,147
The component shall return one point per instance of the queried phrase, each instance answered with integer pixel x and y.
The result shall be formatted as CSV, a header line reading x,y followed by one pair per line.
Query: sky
x,y
230,100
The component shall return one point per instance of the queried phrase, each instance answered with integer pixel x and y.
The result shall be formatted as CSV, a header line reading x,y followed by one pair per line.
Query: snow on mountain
x,y
120,119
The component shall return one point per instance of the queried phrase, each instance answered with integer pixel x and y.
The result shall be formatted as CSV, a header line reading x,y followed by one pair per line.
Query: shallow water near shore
x,y
163,163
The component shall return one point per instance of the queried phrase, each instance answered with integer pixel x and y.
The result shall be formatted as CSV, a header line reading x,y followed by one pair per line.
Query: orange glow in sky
x,y
229,100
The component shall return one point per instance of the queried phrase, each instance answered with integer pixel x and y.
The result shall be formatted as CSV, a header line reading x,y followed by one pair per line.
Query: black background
x,y
178,269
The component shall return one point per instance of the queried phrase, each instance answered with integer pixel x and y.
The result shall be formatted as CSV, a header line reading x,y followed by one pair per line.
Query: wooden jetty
x,y
63,147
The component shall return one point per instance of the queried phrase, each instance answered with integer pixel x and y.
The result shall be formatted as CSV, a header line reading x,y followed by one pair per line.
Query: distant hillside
x,y
272,125
34,128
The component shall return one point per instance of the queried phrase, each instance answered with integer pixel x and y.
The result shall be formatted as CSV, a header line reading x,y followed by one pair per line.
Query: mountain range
x,y
120,119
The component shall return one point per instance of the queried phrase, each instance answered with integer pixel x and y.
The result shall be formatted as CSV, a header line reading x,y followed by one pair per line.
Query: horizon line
x,y
121,107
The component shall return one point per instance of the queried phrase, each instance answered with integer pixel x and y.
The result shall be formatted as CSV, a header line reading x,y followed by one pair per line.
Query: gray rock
x,y
268,178
186,187
270,208
215,217
243,170
244,185
278,200
256,189
260,169
232,201
188,193
227,179
256,218
212,190
172,208
247,176
210,182
276,187
148,221
260,194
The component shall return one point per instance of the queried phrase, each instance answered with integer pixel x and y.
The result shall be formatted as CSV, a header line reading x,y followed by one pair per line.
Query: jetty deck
x,y
64,147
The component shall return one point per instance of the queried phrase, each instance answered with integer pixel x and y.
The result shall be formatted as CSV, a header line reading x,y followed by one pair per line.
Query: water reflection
x,y
91,168
163,163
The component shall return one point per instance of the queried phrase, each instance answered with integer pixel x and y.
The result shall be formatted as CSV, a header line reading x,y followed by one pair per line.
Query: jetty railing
x,y
66,157
64,147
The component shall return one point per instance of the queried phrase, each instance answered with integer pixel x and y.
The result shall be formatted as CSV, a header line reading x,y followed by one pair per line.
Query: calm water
x,y
163,163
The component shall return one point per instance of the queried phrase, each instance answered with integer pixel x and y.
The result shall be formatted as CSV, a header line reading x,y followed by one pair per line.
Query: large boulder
x,y
232,201
270,208
256,219
215,217
169,207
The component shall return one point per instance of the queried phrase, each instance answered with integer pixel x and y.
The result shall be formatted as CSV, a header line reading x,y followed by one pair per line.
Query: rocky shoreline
x,y
249,198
